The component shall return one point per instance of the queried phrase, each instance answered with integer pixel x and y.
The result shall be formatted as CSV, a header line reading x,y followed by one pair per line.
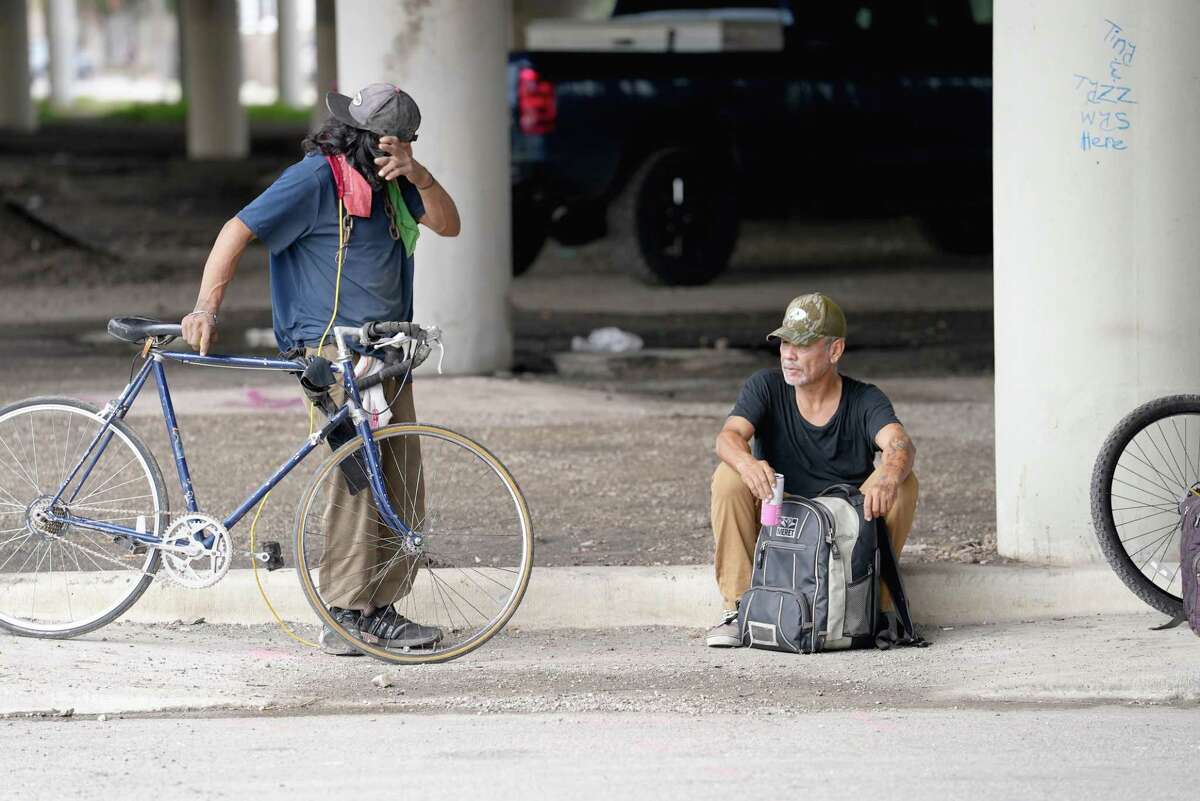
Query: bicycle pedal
x,y
271,556
135,548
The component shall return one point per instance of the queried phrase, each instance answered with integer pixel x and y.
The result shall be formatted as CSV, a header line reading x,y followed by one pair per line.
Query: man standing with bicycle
x,y
341,227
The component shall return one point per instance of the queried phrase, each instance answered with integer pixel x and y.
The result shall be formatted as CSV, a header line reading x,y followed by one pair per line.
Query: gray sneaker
x,y
725,634
331,642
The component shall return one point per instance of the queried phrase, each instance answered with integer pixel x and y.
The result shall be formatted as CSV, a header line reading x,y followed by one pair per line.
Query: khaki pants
x,y
363,566
735,523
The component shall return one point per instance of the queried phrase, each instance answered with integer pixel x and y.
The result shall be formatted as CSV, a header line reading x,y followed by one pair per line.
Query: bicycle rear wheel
x,y
1146,467
60,580
470,572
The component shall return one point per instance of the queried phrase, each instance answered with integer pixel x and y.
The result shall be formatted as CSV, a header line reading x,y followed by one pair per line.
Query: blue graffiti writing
x,y
1104,92
1107,120
1113,89
1121,46
1090,142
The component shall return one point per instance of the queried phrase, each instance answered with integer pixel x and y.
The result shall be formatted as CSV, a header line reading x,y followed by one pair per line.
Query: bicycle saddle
x,y
138,329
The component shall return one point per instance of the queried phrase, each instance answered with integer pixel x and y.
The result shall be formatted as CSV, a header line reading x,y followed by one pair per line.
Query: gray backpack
x,y
816,578
1189,560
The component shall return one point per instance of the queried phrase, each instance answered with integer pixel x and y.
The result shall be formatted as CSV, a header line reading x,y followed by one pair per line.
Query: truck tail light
x,y
536,106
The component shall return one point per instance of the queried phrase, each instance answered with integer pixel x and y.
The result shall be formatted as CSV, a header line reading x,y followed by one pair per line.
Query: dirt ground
x,y
616,469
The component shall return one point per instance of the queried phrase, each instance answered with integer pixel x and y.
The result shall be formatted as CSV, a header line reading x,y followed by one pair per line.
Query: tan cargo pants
x,y
735,524
363,567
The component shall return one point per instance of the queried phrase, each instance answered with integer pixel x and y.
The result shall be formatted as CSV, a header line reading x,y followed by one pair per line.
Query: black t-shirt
x,y
810,457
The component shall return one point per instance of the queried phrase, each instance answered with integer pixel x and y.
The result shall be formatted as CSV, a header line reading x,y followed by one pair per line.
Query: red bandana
x,y
352,188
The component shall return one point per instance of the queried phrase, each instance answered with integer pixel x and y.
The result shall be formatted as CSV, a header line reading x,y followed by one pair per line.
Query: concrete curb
x,y
603,597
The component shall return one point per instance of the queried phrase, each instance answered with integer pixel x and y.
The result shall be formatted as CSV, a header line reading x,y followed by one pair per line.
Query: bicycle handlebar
x,y
423,338
389,329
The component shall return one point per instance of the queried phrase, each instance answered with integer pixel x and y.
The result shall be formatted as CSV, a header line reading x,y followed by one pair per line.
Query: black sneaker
x,y
331,642
390,629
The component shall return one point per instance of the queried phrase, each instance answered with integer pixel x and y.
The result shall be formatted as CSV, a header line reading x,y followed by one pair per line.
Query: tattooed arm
x,y
899,454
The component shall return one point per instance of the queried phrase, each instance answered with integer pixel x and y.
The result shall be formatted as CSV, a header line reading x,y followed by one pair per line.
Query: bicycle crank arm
x,y
270,557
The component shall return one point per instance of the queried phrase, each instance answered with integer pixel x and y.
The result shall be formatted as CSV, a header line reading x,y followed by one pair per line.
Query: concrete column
x,y
287,47
1097,205
450,56
16,104
326,34
212,50
63,32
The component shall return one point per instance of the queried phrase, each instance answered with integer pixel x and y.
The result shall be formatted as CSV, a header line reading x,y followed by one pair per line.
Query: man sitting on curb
x,y
815,427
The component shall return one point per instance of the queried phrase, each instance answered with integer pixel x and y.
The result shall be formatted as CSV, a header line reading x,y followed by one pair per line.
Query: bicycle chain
x,y
95,554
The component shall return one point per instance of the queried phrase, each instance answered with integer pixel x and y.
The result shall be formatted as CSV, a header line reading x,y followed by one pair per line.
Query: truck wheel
x,y
681,213
530,227
966,231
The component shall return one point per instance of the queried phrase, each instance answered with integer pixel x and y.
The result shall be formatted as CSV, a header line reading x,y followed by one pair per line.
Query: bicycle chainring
x,y
197,551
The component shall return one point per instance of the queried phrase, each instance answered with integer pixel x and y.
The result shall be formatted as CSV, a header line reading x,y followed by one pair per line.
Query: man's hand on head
x,y
759,477
400,162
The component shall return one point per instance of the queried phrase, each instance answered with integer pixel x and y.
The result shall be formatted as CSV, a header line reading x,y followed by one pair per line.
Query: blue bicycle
x,y
410,516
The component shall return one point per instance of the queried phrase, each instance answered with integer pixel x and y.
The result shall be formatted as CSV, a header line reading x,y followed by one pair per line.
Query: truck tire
x,y
530,227
965,231
677,219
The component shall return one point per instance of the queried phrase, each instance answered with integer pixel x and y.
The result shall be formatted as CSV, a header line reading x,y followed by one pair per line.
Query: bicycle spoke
x,y
1144,459
1166,543
470,522
62,475
41,566
1152,531
1139,489
1163,506
1151,481
23,473
1184,482
1147,517
1155,543
1173,478
37,479
1187,459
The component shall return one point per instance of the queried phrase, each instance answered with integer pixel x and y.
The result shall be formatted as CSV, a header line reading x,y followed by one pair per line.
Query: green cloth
x,y
403,218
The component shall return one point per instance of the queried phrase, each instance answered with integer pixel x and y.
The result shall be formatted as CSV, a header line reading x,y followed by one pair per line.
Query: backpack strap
x,y
1170,624
899,630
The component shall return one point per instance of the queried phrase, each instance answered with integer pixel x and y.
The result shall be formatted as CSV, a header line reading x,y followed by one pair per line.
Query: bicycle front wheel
x,y
464,581
1147,466
61,580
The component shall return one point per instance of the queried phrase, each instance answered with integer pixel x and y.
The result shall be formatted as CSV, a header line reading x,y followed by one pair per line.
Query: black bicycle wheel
x,y
1146,467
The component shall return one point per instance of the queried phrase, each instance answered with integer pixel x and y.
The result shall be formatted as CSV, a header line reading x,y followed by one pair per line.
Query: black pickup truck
x,y
671,121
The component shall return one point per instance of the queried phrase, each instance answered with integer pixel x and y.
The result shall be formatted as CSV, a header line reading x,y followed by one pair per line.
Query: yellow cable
x,y
284,627
337,291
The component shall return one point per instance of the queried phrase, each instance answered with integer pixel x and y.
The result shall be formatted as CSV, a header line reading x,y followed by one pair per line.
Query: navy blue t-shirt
x,y
813,458
297,219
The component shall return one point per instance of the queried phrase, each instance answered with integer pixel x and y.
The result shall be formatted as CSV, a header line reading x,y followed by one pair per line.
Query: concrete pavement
x,y
211,670
900,755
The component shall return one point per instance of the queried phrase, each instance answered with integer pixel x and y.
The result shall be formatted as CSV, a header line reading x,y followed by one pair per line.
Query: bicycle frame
x,y
117,409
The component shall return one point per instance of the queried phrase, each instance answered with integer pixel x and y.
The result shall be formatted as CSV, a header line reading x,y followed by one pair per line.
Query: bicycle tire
x,y
303,546
153,558
1115,552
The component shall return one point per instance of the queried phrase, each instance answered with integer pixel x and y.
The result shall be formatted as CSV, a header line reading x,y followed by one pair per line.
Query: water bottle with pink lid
x,y
770,509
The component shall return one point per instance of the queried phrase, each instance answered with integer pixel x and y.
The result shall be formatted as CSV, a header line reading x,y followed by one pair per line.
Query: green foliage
x,y
89,108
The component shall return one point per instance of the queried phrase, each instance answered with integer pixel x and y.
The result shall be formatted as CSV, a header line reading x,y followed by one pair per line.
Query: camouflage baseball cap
x,y
810,317
379,108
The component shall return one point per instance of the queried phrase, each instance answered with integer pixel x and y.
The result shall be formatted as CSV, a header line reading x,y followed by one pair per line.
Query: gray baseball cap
x,y
380,108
